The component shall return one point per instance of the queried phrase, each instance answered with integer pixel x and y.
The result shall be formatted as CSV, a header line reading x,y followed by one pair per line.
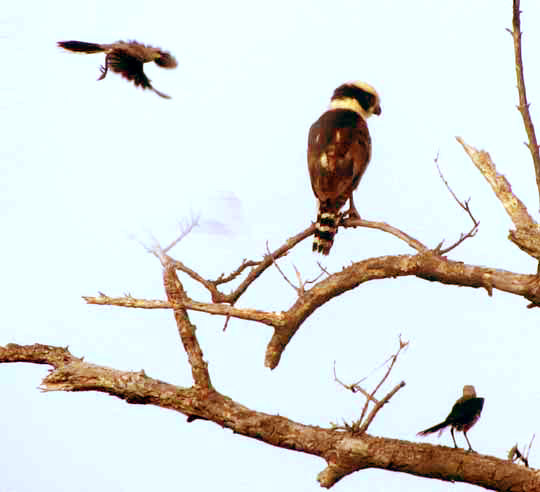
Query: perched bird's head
x,y
358,97
165,60
469,391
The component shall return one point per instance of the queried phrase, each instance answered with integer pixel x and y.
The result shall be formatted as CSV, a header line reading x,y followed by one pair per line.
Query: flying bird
x,y
464,414
126,58
339,150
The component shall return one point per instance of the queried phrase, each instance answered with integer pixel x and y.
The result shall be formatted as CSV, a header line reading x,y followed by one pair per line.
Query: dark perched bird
x,y
339,150
465,413
126,58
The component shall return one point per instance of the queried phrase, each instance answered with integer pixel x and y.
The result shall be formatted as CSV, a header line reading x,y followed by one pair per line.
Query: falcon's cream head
x,y
358,97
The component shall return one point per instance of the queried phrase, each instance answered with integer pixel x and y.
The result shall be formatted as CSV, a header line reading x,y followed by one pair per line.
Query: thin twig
x,y
383,226
354,387
465,206
210,286
223,279
258,267
402,345
364,427
523,103
323,269
185,229
298,290
530,445
361,425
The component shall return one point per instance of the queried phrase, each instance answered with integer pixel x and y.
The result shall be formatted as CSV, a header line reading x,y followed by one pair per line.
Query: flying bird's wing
x,y
127,59
121,61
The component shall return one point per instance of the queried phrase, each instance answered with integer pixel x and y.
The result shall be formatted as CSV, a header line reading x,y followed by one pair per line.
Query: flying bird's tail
x,y
435,428
81,46
326,228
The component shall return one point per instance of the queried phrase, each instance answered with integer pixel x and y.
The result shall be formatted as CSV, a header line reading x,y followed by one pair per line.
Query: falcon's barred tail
x,y
326,228
81,46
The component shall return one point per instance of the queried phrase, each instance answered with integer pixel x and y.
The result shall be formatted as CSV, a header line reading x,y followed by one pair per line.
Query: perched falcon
x,y
339,149
126,58
464,414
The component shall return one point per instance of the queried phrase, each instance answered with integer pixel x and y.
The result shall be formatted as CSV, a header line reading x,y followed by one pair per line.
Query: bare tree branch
x,y
185,229
300,289
267,318
465,206
527,233
258,267
378,405
513,205
175,294
523,103
363,428
427,266
354,387
360,426
223,279
383,226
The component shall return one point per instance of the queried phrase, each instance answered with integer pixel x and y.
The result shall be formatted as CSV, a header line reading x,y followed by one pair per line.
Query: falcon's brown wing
x,y
341,139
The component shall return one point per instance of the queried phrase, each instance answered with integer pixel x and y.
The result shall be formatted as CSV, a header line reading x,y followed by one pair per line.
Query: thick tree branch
x,y
343,452
523,103
175,294
512,204
258,267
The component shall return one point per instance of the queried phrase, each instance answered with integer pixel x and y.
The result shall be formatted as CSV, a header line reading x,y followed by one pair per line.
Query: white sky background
x,y
88,166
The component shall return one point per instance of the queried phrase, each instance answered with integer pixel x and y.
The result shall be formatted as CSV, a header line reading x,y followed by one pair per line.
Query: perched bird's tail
x,y
326,228
435,428
81,46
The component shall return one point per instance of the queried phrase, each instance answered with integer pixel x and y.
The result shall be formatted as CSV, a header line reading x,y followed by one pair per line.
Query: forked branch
x,y
427,266
463,205
360,426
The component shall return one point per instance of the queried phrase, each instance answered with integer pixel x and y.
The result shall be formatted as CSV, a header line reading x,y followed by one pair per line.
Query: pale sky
x,y
90,170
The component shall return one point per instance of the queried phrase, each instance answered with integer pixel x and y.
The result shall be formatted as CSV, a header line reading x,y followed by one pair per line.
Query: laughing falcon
x,y
339,149
126,58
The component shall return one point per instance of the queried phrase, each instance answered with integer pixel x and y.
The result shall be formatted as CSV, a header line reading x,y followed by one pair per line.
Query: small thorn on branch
x,y
515,454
